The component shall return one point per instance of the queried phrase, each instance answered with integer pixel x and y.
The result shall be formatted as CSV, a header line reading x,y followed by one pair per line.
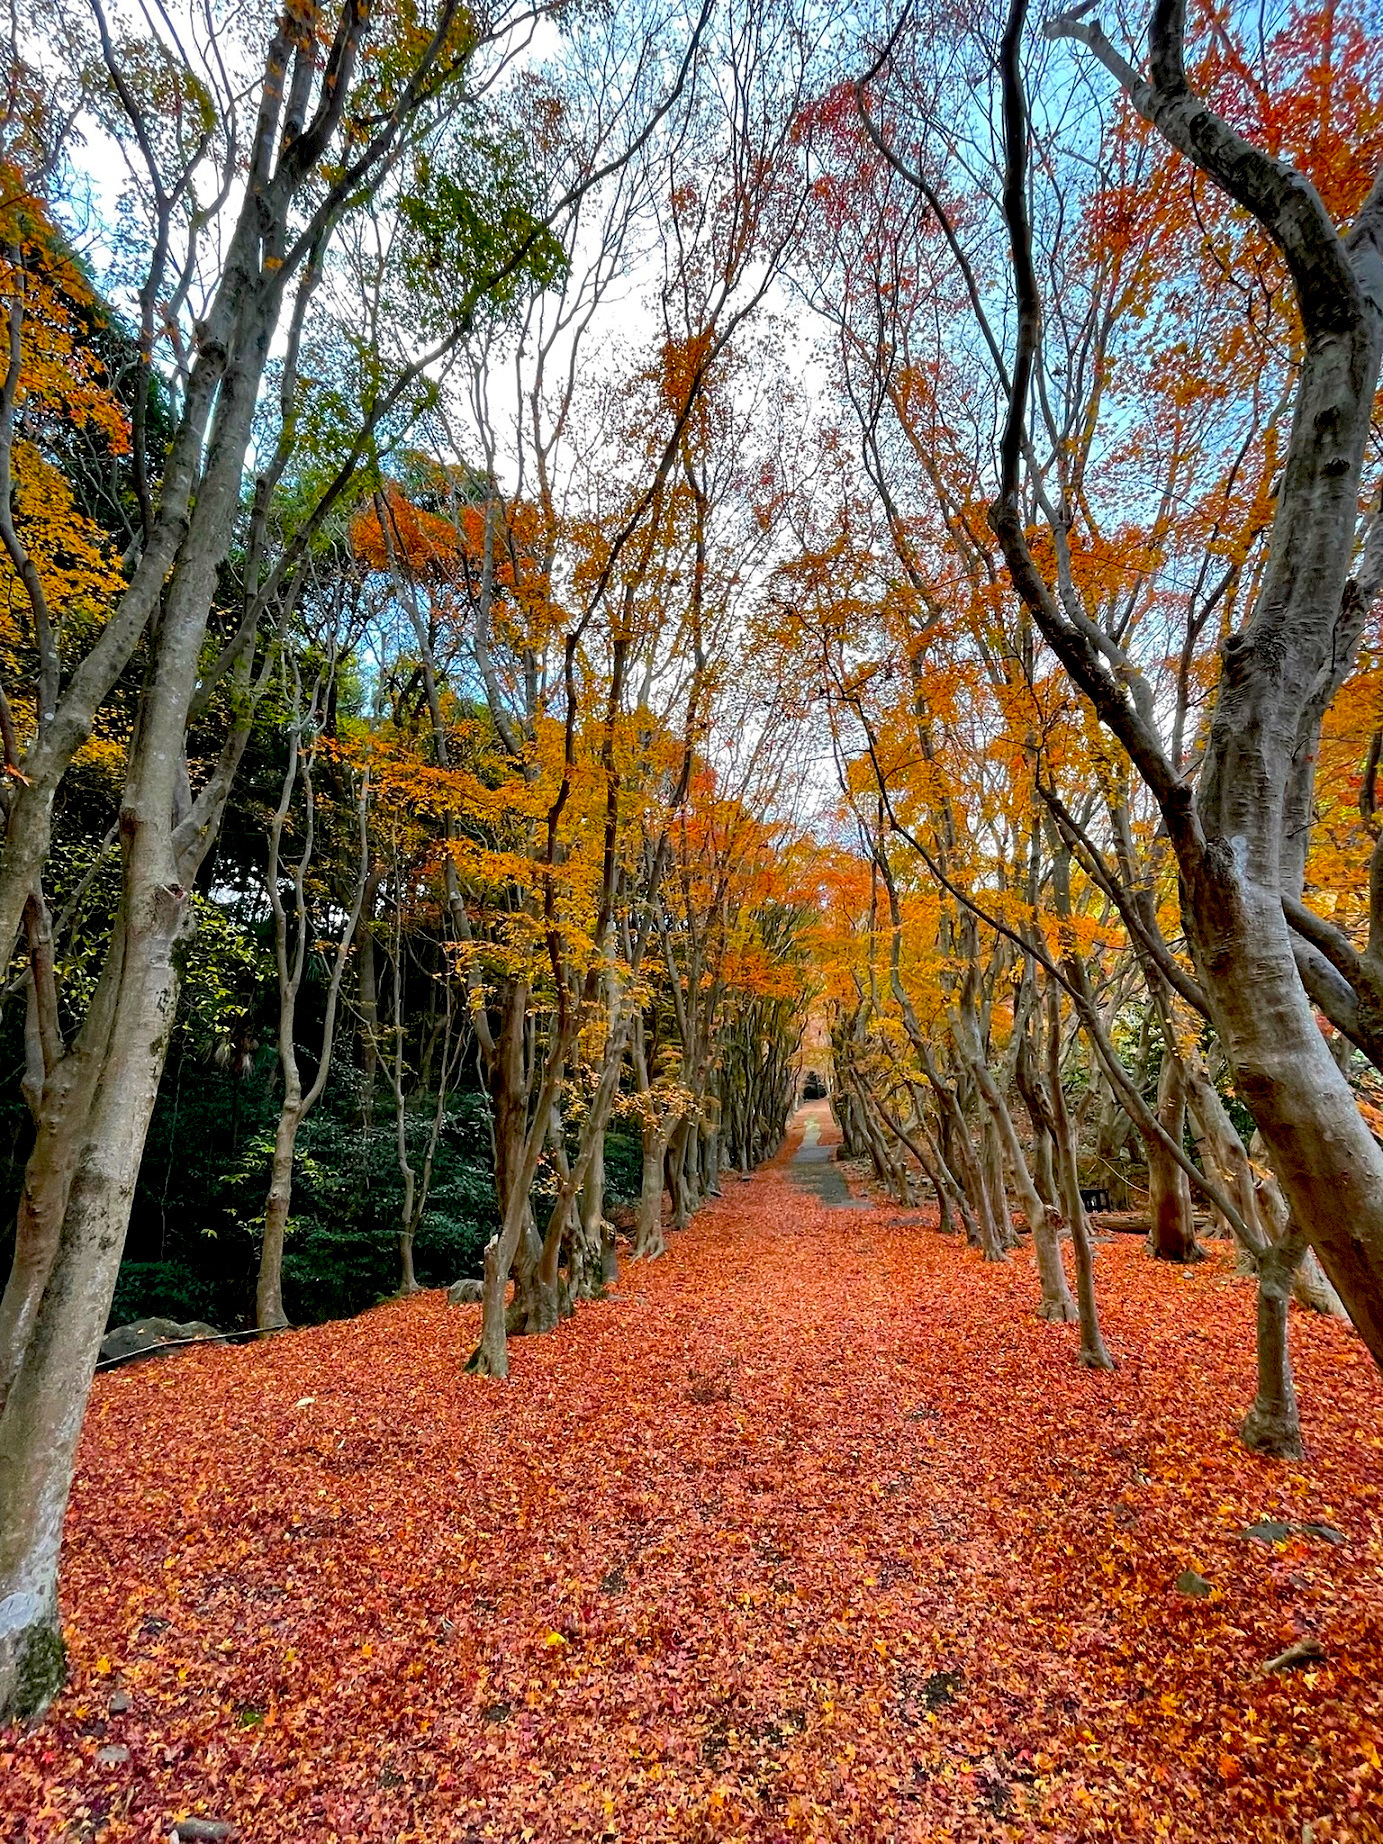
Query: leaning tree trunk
x,y
1310,1286
43,1411
918,1138
952,1188
982,1229
890,1172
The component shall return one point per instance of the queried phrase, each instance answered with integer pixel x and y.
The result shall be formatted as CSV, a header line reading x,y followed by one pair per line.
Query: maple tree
x,y
572,566
1141,469
1249,788
337,127
304,717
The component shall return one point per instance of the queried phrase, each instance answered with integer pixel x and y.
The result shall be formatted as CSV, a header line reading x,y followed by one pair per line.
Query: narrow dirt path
x,y
812,1531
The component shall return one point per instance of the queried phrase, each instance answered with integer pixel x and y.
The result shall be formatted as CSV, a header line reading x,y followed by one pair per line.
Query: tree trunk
x,y
367,1000
523,1146
491,1356
648,1231
408,1280
1310,1285
1311,1288
1044,1169
710,1160
269,1313
981,1227
675,1166
995,1188
1173,1233
64,1104
588,1279
534,1307
1093,1353
1273,1417
691,1169
1056,1302
43,1411
541,1297
1272,1425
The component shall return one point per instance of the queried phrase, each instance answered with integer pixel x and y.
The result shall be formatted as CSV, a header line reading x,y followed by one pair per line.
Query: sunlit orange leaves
x,y
392,532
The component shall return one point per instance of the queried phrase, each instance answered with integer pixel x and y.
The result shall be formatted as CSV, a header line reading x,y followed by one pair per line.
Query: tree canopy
x,y
572,578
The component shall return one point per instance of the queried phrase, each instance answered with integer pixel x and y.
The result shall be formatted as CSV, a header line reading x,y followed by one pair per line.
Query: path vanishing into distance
x,y
811,1531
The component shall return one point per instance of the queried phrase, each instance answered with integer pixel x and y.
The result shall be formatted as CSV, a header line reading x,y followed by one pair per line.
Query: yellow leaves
x,y
61,371
555,1642
75,560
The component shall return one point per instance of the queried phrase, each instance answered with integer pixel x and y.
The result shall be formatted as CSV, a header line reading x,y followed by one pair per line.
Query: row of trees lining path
x,y
810,1529
412,697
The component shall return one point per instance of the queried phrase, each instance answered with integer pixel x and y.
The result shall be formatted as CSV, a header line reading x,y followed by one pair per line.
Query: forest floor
x,y
812,1531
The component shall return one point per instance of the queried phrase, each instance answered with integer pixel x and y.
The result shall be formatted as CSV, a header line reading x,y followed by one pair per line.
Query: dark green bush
x,y
623,1168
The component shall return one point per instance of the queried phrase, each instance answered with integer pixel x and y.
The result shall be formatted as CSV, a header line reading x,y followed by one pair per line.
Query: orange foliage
x,y
766,1562
423,544
62,381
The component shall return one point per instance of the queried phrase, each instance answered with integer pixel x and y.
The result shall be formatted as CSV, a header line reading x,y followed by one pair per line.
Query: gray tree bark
x,y
1173,1235
1228,831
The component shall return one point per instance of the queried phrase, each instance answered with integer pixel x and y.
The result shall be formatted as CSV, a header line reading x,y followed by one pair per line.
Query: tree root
x,y
1058,1312
482,1363
1095,1360
1272,1431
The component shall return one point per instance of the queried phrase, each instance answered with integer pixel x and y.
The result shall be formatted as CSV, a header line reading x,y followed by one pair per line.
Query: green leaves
x,y
475,237
224,965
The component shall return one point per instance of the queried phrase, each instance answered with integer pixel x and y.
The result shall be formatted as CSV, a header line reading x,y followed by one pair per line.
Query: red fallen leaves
x,y
813,1532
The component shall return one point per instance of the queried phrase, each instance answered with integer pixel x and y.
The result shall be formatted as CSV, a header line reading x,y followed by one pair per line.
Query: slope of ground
x,y
813,1532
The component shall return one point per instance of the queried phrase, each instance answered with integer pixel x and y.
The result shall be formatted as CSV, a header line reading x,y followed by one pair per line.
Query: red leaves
x,y
903,1573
